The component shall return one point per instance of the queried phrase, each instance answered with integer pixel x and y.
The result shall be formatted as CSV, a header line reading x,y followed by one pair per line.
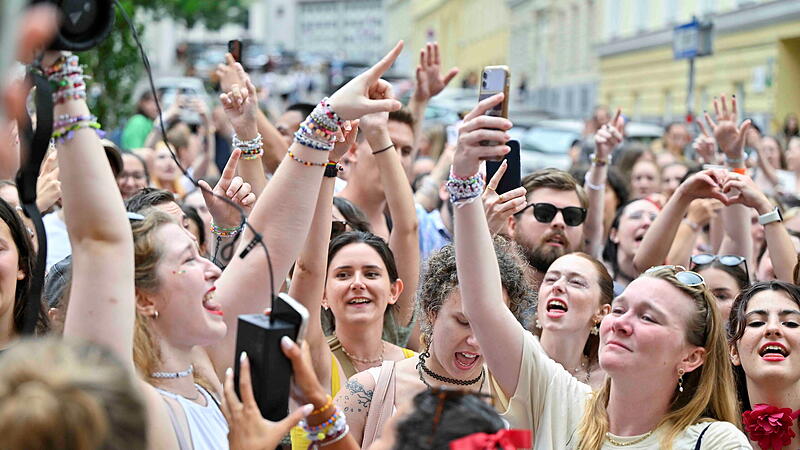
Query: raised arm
x,y
607,138
497,331
658,238
701,212
428,194
101,306
282,215
404,238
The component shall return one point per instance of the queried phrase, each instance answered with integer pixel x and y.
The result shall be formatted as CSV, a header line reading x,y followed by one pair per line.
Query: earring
x,y
680,380
155,315
537,324
595,331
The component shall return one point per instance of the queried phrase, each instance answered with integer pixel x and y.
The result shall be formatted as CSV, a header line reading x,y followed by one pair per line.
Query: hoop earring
x,y
595,331
680,380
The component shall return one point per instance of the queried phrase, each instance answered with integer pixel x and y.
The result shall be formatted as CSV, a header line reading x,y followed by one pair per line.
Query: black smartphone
x,y
512,179
235,49
260,336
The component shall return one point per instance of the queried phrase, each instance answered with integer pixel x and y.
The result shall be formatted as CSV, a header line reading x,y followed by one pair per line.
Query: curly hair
x,y
440,279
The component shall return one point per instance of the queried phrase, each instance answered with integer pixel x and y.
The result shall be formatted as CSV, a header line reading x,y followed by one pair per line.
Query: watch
x,y
332,170
772,216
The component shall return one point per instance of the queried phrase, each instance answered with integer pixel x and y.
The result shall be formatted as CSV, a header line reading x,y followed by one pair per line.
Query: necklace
x,y
421,367
181,374
584,366
627,443
363,360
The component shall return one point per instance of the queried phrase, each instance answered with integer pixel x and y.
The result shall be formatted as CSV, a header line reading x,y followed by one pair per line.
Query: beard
x,y
541,255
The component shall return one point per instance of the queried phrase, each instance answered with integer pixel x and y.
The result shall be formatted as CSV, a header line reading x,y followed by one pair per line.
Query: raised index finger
x,y
230,168
498,176
615,123
376,71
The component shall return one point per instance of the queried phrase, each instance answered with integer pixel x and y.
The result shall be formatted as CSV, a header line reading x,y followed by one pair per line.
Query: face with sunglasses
x,y
549,227
645,335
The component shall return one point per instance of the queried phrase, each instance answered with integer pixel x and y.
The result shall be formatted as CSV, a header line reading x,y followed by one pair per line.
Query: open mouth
x,y
359,301
556,240
210,305
773,351
556,307
466,360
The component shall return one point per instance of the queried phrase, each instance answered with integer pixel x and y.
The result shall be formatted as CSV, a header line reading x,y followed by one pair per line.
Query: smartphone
x,y
260,336
235,49
512,179
494,80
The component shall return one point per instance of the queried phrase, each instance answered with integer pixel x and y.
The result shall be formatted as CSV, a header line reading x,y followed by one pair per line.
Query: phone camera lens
x,y
485,83
484,75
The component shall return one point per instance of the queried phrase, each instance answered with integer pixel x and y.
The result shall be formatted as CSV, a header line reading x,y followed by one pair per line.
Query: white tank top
x,y
207,425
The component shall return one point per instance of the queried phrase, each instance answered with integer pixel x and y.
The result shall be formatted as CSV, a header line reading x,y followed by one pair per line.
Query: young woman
x,y
451,357
624,238
186,312
645,179
764,335
165,174
574,296
662,345
725,276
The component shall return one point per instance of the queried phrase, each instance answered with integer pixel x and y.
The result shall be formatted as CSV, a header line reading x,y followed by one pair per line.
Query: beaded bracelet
x,y
465,189
65,120
325,407
328,429
249,145
304,162
307,141
331,440
68,133
225,232
67,95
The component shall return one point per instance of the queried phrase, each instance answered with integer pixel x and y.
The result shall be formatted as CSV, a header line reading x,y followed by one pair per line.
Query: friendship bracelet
x,y
225,232
66,134
333,439
307,141
382,150
465,190
325,407
328,429
304,162
65,120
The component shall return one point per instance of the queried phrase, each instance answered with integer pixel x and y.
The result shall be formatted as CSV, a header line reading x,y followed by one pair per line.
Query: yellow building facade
x,y
756,56
471,33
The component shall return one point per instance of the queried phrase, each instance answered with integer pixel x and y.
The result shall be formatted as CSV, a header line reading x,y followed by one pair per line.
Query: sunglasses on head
x,y
726,260
546,212
686,277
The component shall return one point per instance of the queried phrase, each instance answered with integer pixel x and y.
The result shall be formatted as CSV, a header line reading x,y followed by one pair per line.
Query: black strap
x,y
700,438
36,144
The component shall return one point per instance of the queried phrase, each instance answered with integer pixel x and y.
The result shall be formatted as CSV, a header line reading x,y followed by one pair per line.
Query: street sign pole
x,y
690,93
689,41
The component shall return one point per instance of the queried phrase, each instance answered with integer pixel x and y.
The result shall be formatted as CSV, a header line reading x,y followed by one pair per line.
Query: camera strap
x,y
32,152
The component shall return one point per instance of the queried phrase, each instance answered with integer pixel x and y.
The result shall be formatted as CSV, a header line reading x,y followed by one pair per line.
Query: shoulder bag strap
x,y
336,348
700,438
382,404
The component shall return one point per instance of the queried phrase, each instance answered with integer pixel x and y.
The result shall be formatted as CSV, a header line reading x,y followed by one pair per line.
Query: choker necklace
x,y
421,367
363,360
627,443
181,374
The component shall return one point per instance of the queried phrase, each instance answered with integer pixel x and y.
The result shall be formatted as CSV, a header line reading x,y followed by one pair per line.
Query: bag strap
x,y
336,348
382,404
183,443
700,438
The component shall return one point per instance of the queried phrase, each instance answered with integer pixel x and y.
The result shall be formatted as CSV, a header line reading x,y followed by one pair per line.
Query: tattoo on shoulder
x,y
357,397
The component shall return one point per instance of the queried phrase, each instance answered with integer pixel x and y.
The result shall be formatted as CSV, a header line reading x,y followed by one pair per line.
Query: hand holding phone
x,y
494,80
235,49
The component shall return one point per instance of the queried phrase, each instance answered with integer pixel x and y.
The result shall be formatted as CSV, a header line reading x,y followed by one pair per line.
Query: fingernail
x,y
242,357
307,409
286,342
228,372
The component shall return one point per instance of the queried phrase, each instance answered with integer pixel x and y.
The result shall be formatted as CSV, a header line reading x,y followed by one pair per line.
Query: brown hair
x,y
63,394
403,115
606,284
708,390
555,179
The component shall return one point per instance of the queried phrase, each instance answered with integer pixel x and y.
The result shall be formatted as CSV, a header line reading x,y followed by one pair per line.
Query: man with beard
x,y
552,223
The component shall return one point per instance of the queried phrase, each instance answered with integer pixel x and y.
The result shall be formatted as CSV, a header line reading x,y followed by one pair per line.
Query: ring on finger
x,y
489,188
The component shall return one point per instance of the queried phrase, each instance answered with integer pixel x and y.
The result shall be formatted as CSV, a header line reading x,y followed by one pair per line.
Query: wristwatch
x,y
599,162
332,170
772,216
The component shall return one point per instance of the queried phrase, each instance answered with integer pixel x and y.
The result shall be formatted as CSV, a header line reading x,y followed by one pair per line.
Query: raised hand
x,y
499,207
705,147
228,75
702,210
429,80
729,137
240,103
231,187
748,193
365,93
609,136
247,429
306,387
48,188
346,138
705,184
476,128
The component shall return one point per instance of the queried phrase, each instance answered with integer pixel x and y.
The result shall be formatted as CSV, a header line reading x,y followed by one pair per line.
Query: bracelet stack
x,y
319,129
328,432
66,133
465,190
67,78
251,149
225,232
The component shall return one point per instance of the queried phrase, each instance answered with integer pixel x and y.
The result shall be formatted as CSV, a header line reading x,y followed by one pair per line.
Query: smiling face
x,y
645,333
358,288
569,296
766,350
645,179
184,299
633,224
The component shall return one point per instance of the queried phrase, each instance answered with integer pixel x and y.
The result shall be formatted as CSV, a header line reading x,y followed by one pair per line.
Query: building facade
x,y
756,56
351,30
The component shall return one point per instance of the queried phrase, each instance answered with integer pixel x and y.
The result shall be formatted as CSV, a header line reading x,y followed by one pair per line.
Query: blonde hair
x,y
709,392
60,394
147,254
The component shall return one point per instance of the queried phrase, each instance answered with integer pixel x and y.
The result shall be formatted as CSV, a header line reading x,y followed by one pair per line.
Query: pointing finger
x,y
384,64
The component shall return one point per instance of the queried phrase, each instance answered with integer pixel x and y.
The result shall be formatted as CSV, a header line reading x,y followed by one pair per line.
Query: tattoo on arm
x,y
357,397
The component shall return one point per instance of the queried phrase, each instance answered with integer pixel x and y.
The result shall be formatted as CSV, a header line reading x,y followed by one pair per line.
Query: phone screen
x,y
235,49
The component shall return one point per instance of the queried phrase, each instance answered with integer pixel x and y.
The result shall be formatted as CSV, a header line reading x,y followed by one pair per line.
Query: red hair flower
x,y
770,426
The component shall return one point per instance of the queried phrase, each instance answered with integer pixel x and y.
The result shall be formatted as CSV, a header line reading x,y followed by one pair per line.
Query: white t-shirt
x,y
550,402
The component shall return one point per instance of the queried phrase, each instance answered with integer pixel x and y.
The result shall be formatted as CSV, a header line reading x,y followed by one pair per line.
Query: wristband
x,y
382,150
739,170
599,162
332,170
588,184
695,227
734,160
225,232
465,190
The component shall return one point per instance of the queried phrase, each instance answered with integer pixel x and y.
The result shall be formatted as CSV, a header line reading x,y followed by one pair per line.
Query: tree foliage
x,y
115,65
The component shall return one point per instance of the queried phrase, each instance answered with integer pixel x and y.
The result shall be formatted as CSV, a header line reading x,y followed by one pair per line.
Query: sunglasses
x,y
686,277
546,212
726,260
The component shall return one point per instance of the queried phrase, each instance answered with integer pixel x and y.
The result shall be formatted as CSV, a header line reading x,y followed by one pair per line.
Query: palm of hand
x,y
728,137
431,82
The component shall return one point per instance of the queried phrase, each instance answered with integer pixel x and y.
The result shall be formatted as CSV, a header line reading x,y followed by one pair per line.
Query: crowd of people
x,y
646,298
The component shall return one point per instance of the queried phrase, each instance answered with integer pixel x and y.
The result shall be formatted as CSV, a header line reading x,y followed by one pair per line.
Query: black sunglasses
x,y
546,212
726,260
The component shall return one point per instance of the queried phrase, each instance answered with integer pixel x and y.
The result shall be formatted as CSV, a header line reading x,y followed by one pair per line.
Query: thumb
x,y
450,75
290,421
386,105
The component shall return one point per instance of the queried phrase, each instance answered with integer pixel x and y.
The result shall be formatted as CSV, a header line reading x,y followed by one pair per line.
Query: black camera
x,y
84,23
